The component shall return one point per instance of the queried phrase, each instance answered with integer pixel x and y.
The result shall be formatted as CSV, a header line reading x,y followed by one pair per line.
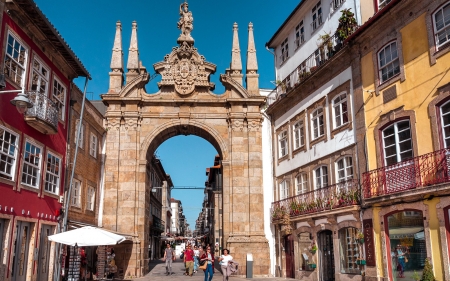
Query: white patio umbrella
x,y
87,236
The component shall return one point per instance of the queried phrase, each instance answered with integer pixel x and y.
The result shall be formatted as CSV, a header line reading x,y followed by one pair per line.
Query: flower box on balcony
x,y
361,262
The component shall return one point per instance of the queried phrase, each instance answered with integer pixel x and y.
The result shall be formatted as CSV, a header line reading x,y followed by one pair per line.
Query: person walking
x,y
196,257
189,260
169,255
224,259
209,257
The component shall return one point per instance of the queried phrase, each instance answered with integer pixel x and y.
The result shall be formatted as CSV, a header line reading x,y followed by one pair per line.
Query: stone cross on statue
x,y
185,24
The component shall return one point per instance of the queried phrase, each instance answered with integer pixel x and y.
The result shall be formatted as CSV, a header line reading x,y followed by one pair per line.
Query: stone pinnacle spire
x,y
117,53
236,63
252,64
252,76
133,52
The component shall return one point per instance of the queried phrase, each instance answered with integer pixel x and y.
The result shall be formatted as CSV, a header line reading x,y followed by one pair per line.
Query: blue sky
x,y
88,26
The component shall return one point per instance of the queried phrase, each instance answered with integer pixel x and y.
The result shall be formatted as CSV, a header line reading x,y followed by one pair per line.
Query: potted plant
x,y
312,265
360,237
428,274
313,248
360,262
347,25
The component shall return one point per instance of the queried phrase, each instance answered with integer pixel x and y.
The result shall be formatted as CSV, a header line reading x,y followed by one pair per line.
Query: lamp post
x,y
21,101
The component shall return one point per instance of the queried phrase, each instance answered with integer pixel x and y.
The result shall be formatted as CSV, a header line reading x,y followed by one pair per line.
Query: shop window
x,y
321,175
388,62
15,60
397,143
59,97
301,182
340,112
8,153
52,174
407,250
283,144
445,123
284,190
31,170
344,169
349,250
441,25
299,134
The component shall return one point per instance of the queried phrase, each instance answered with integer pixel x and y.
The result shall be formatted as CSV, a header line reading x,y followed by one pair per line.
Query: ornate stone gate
x,y
138,122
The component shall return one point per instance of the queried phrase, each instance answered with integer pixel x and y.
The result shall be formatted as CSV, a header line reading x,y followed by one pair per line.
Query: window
x,y
316,16
388,62
15,60
301,182
335,4
349,250
284,190
52,175
31,170
382,3
412,214
90,198
321,174
344,168
317,123
441,20
397,143
59,97
299,135
76,194
299,34
93,146
283,142
39,78
8,153
445,123
80,143
284,50
340,110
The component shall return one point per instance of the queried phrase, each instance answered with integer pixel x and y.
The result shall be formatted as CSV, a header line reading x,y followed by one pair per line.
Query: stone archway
x,y
138,122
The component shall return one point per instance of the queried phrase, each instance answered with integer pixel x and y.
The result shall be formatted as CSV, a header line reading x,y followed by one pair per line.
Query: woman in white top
x,y
224,259
196,258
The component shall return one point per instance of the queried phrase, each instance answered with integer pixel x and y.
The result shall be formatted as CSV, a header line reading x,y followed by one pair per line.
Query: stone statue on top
x,y
185,24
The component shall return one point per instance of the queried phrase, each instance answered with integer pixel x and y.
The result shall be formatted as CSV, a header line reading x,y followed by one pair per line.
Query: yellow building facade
x,y
405,84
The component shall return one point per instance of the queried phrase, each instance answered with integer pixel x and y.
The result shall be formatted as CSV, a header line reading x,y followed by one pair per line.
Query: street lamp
x,y
21,101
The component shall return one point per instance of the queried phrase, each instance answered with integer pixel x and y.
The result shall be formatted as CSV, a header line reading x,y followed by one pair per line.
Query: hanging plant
x,y
347,24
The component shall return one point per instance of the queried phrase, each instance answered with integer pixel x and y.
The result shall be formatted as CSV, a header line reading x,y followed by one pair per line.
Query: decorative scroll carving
x,y
254,125
112,123
236,124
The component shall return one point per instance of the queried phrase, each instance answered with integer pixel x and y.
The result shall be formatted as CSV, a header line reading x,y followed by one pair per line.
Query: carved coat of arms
x,y
185,74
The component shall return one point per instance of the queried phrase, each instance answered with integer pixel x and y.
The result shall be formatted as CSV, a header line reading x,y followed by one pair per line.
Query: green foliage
x,y
415,276
427,274
347,24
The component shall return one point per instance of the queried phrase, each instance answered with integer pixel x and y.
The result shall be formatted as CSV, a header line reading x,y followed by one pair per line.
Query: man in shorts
x,y
169,255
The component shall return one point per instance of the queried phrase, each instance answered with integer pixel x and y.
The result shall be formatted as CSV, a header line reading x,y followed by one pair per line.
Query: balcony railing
x,y
320,56
316,22
418,172
331,197
43,116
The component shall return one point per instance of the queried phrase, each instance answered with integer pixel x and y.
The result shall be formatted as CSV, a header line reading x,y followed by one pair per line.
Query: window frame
x,y
26,163
300,130
313,121
41,77
283,138
47,172
90,198
344,245
301,180
93,145
61,104
81,142
397,143
321,176
299,34
16,151
345,168
73,196
25,59
284,189
381,4
442,126
339,104
284,50
435,31
387,64
316,15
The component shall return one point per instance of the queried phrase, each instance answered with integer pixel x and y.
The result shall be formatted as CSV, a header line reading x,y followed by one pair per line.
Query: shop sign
x,y
369,242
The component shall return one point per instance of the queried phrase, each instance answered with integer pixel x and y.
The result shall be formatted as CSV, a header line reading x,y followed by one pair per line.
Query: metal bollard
x,y
249,266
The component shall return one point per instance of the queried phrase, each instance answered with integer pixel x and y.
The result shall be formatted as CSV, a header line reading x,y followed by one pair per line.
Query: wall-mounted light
x,y
21,101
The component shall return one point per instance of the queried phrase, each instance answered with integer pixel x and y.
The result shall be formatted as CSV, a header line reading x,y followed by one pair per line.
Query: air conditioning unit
x,y
61,199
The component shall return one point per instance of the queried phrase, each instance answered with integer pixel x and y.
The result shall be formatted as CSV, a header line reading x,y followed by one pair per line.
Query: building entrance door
x,y
21,248
326,255
290,258
44,253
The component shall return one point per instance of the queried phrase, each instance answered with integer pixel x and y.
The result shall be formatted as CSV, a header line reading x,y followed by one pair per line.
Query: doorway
x,y
21,248
326,255
290,257
44,253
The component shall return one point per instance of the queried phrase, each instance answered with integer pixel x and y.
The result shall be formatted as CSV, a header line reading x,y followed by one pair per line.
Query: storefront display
x,y
73,272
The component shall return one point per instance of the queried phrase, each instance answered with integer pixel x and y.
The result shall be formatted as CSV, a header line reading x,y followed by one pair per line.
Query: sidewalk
x,y
158,273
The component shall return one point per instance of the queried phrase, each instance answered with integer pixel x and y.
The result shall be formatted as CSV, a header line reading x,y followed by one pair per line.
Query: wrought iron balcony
x,y
43,116
330,197
316,60
158,224
418,172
